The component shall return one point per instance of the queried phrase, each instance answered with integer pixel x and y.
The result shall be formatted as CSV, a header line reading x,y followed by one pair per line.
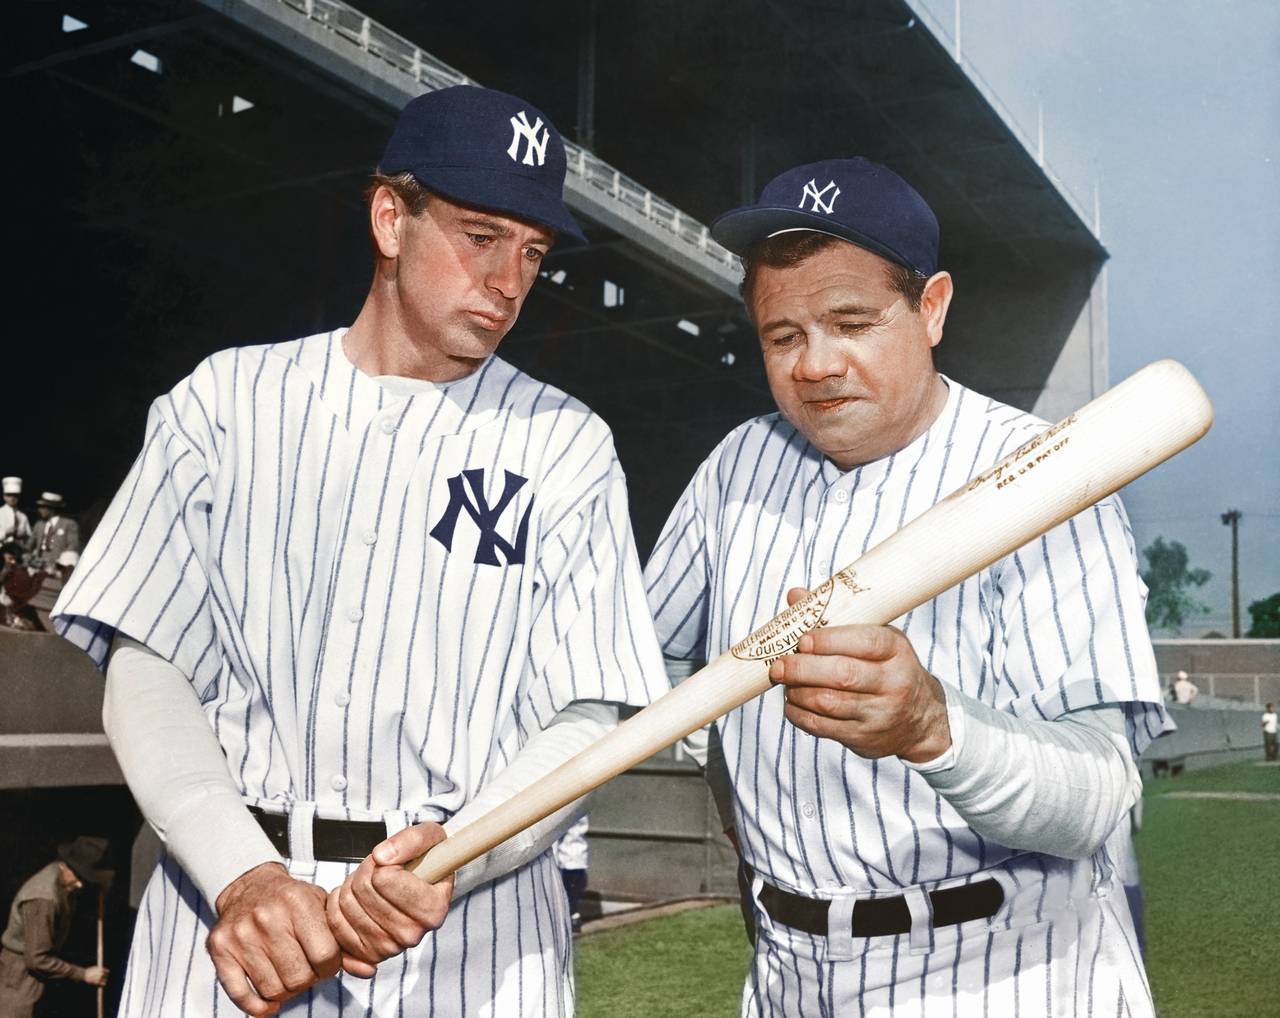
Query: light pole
x,y
1231,518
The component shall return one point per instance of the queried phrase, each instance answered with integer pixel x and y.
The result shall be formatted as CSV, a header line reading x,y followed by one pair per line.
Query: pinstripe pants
x,y
1076,959
504,950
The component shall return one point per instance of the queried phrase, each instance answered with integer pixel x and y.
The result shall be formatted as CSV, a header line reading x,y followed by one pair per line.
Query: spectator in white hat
x,y
14,525
54,535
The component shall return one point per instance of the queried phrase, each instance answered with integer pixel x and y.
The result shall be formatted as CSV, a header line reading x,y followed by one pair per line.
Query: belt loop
x,y
764,920
396,820
920,905
840,928
301,817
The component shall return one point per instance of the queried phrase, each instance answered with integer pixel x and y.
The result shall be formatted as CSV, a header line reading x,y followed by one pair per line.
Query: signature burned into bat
x,y
1022,459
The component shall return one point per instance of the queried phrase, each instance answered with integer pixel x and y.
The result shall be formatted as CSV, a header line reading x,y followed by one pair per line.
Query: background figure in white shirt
x,y
572,854
924,805
14,524
1269,732
1184,690
359,588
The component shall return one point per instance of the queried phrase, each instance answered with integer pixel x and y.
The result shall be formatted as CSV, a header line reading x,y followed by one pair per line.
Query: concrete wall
x,y
1206,737
51,716
1244,671
655,834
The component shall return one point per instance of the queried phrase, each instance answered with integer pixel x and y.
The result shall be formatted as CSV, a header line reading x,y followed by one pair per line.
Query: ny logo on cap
x,y
811,191
520,129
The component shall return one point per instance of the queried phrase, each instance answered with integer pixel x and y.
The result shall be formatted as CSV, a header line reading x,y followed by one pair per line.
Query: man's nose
x,y
821,358
505,275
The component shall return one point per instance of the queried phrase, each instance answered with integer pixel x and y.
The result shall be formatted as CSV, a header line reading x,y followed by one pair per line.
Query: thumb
x,y
408,844
796,594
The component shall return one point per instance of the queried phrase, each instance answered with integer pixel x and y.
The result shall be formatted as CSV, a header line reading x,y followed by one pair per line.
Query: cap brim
x,y
739,229
508,193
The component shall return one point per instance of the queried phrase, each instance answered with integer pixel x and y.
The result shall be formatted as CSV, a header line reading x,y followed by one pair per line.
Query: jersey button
x,y
355,614
342,698
841,496
809,810
388,425
338,782
370,537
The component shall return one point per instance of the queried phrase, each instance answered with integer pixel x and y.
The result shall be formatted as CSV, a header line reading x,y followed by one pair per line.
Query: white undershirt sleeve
x,y
177,771
570,731
1058,787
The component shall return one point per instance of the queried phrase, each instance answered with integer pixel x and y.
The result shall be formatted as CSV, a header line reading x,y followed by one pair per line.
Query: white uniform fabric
x,y
1056,627
573,851
378,598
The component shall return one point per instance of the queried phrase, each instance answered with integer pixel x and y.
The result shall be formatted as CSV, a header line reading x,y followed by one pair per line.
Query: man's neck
x,y
380,343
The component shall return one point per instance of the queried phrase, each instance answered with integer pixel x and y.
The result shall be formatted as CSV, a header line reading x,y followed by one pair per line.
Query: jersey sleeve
x,y
678,574
143,572
1070,630
590,636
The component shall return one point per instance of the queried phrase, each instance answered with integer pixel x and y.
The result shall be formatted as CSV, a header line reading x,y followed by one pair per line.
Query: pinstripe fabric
x,y
1054,627
274,541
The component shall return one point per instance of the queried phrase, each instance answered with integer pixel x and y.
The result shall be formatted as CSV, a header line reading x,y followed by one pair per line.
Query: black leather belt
x,y
883,917
331,840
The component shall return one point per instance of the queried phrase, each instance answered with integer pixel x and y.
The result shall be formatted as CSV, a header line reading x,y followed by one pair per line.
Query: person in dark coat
x,y
39,922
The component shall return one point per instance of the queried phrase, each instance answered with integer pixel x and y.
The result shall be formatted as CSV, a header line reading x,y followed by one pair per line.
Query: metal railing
x,y
379,41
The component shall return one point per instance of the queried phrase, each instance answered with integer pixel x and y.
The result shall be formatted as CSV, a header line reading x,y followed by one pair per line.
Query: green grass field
x,y
1211,883
1211,878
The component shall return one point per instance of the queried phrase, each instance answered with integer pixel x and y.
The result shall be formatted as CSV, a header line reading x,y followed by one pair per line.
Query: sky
x,y
1173,110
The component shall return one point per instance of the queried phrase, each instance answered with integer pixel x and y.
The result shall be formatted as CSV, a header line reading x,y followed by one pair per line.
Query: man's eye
x,y
480,239
534,254
783,341
853,328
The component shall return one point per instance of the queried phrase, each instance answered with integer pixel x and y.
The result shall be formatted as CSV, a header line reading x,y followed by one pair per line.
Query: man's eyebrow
x,y
500,229
494,226
852,309
776,324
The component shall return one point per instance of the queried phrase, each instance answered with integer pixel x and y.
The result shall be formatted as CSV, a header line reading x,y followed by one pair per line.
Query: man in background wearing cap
x,y
39,922
923,807
14,525
364,583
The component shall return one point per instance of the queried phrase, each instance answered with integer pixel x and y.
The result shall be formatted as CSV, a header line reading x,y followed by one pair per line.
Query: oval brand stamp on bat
x,y
781,634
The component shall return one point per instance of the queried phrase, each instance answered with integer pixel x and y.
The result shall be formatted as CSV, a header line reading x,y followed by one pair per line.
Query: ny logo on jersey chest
x,y
466,493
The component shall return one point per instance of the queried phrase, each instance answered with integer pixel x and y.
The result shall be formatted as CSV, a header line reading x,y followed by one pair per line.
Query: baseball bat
x,y
1126,431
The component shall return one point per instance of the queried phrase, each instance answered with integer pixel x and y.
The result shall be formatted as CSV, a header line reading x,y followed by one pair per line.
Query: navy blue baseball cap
x,y
479,147
854,199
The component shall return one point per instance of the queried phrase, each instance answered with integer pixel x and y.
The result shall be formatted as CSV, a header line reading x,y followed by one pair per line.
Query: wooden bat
x,y
1120,435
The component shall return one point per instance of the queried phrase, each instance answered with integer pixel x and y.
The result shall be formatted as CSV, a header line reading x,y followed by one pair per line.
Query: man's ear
x,y
386,221
934,302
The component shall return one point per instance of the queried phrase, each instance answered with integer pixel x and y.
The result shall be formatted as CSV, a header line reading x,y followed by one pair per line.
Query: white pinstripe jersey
x,y
1055,627
377,597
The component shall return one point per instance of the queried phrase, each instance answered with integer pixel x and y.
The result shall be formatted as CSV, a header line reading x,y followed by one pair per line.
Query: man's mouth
x,y
828,404
490,320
